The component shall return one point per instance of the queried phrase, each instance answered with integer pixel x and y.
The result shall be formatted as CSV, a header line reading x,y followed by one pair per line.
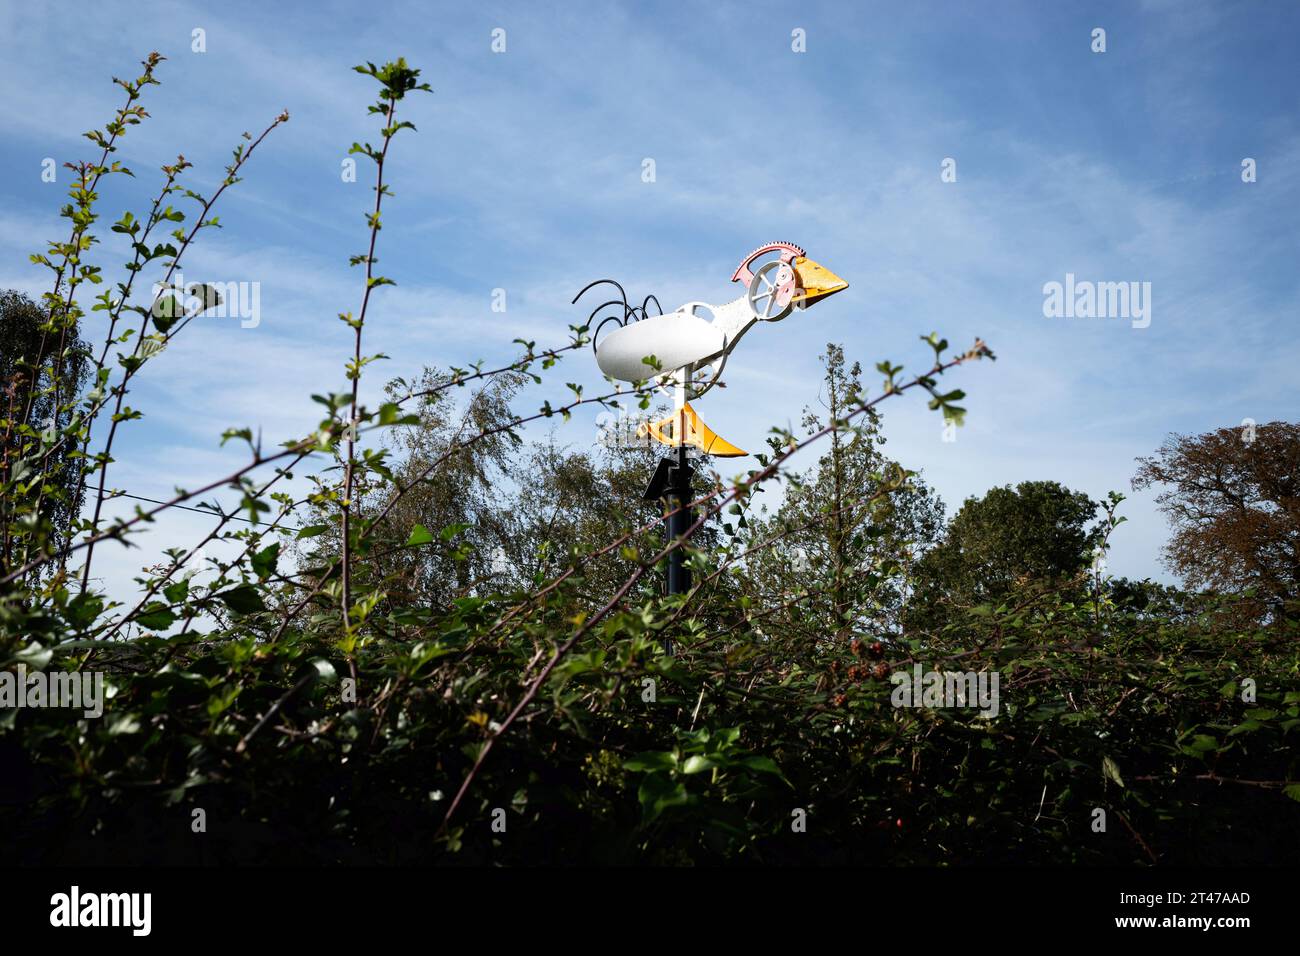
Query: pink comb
x,y
788,251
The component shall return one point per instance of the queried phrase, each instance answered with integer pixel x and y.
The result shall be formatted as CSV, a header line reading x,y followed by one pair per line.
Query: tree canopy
x,y
1232,497
42,366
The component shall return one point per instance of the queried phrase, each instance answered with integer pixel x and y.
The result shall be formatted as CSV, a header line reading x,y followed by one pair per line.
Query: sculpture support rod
x,y
677,525
679,522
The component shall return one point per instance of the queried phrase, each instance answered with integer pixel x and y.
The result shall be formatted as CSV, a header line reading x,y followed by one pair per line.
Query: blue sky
x,y
525,175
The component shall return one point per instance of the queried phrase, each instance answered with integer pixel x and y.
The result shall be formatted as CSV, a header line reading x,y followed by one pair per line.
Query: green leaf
x,y
651,760
156,616
166,311
391,414
209,296
419,535
324,670
452,530
35,656
123,724
657,793
1110,769
698,763
264,561
83,609
763,765
242,599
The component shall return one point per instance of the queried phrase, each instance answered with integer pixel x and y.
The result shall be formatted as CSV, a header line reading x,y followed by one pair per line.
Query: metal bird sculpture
x,y
685,351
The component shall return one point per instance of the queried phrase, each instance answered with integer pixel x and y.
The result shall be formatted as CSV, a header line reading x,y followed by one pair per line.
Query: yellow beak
x,y
815,282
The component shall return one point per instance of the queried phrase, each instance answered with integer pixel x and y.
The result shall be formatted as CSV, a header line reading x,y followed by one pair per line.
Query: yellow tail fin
x,y
686,427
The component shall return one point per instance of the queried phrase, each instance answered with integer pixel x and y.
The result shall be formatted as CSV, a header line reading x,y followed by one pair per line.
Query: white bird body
x,y
674,339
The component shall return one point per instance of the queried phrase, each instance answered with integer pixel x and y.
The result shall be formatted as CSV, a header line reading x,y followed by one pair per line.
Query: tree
x,y
1036,532
570,503
851,529
498,515
1233,499
39,385
454,464
1148,600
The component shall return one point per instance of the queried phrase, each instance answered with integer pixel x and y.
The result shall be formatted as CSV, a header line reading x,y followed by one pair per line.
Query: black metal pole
x,y
679,522
676,491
